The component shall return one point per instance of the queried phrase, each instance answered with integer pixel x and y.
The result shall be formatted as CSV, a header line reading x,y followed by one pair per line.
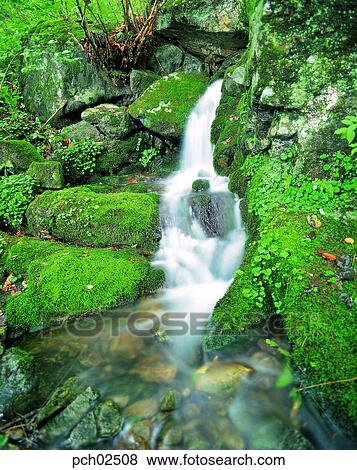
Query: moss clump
x,y
80,215
20,154
165,106
66,281
200,185
48,175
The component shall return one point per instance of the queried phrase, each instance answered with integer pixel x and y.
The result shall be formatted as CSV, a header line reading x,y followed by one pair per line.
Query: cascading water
x,y
203,237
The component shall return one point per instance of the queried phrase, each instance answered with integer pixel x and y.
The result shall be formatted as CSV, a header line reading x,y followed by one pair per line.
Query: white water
x,y
199,269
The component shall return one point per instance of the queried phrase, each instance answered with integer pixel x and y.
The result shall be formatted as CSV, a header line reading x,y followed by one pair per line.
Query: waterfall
x,y
203,236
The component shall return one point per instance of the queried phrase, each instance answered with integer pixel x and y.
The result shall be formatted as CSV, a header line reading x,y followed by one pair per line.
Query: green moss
x,y
118,154
66,281
20,153
165,106
48,174
82,216
200,185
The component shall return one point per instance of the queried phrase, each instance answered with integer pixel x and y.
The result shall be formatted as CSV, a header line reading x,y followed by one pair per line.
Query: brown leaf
x,y
326,255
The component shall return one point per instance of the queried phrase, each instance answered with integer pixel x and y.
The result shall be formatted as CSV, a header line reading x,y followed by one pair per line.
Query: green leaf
x,y
285,378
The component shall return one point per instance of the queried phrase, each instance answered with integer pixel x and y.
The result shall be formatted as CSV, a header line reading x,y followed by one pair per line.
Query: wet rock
x,y
108,418
60,399
152,370
170,436
17,378
62,424
191,410
169,400
167,59
347,300
294,440
121,400
215,213
112,121
137,436
194,441
127,345
83,434
218,378
143,408
200,185
49,174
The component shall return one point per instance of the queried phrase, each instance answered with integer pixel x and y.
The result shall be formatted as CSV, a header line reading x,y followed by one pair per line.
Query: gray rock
x,y
211,29
63,423
80,131
112,121
83,434
17,378
59,77
167,59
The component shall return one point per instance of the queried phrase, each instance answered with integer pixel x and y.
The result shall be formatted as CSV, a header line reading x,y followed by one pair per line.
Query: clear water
x,y
136,371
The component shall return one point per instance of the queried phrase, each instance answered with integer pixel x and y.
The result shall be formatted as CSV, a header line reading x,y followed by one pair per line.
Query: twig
x,y
18,421
57,111
331,382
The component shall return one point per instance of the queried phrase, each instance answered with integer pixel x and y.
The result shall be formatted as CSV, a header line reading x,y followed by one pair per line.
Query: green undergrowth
x,y
82,216
64,281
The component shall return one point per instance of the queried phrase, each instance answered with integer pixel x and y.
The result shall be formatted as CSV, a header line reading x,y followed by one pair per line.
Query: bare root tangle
x,y
126,46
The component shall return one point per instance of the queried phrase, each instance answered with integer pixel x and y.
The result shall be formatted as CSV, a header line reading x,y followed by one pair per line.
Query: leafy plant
x,y
147,156
79,159
349,132
16,193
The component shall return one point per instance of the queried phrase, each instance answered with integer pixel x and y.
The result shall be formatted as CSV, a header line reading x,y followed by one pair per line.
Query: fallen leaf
x,y
132,181
90,287
349,240
7,286
326,255
19,233
314,221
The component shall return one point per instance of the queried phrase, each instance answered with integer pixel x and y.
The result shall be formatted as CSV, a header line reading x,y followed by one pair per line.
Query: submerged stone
x,y
218,378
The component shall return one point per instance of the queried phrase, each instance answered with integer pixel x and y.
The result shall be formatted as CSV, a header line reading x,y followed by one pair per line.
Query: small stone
x,y
347,300
171,435
109,419
137,436
169,400
219,378
143,408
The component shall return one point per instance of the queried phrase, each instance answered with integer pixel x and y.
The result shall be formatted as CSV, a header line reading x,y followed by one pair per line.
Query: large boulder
x,y
206,28
141,79
17,378
165,106
169,58
19,154
72,82
64,281
80,215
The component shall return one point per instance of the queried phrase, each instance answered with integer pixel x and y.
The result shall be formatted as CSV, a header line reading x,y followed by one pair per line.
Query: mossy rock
x,y
66,281
49,175
112,121
140,80
79,215
166,105
72,82
20,154
80,131
200,185
118,154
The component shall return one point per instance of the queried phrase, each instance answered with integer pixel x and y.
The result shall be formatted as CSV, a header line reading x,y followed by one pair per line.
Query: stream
x,y
227,400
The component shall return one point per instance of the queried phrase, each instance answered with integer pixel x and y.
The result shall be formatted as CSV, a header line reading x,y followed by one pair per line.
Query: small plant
x,y
349,132
79,159
147,156
16,193
6,168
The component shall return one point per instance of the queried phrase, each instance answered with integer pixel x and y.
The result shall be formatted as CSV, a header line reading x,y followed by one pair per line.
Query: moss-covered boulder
x,y
20,154
206,28
49,175
117,154
112,121
80,215
64,281
72,82
165,106
80,131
